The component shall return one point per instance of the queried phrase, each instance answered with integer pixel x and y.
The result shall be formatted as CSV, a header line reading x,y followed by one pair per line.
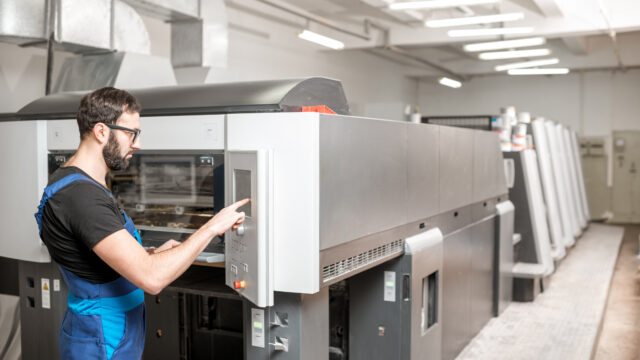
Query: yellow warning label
x,y
45,287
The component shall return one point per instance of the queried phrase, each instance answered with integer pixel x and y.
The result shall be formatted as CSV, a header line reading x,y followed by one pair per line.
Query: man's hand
x,y
170,244
227,218
152,273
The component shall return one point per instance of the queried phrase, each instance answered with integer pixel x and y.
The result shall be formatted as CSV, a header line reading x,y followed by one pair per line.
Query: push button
x,y
239,284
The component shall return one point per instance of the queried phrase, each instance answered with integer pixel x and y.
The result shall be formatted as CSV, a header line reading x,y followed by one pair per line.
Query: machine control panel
x,y
248,250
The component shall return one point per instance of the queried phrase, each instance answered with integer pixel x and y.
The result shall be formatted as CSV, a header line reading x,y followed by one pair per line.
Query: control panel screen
x,y
242,180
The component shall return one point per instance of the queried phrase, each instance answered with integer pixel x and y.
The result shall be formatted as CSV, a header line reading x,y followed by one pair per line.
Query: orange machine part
x,y
323,109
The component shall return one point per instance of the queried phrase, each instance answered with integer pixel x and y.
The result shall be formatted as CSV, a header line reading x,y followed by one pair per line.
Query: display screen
x,y
242,179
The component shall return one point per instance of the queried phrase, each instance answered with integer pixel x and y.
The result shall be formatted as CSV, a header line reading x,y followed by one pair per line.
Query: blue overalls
x,y
103,321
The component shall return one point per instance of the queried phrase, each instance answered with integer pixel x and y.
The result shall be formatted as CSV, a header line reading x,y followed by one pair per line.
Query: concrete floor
x,y
620,334
563,322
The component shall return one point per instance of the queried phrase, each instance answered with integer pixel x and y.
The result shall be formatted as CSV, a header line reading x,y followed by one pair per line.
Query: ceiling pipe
x,y
612,35
428,63
408,55
312,17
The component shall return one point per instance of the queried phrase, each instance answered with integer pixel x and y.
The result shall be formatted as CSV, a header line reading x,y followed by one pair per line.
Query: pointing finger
x,y
238,204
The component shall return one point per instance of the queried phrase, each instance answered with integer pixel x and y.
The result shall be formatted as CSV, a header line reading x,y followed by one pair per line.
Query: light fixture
x,y
321,40
547,71
506,44
527,64
489,31
512,54
471,20
438,4
449,82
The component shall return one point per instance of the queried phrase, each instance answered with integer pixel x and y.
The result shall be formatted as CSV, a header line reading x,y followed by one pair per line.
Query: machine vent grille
x,y
361,260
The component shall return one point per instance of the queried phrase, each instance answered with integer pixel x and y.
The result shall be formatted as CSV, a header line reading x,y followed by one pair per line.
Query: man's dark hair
x,y
104,105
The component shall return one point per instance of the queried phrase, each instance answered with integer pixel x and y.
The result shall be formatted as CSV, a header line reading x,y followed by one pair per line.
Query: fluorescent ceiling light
x,y
547,71
471,20
512,54
506,44
449,82
438,4
321,40
489,31
527,64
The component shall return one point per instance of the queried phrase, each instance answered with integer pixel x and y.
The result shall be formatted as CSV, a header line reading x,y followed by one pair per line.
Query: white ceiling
x,y
578,32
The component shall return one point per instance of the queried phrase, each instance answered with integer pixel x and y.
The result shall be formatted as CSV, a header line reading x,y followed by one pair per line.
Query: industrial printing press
x,y
365,238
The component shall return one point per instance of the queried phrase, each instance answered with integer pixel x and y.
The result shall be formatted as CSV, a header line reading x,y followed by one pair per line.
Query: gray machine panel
x,y
488,179
467,283
248,250
390,305
503,257
296,327
456,292
456,167
41,310
482,252
362,171
525,250
423,176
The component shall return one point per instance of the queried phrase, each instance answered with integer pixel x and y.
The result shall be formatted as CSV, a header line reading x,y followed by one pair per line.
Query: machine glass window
x,y
168,191
177,193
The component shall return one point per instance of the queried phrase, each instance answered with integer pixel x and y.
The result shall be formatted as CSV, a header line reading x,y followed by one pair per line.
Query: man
x,y
96,244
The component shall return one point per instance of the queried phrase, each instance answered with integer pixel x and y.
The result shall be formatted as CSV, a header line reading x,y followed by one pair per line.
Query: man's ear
x,y
100,132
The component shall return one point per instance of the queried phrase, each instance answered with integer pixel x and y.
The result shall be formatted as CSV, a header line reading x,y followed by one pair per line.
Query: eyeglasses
x,y
135,132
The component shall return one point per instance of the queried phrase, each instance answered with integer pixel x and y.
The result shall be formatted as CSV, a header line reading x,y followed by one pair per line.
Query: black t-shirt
x,y
75,219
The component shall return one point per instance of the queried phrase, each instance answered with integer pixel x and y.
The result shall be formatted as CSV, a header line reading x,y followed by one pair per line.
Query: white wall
x,y
594,103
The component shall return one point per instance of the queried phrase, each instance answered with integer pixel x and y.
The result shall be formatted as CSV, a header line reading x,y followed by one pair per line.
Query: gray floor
x,y
620,335
563,322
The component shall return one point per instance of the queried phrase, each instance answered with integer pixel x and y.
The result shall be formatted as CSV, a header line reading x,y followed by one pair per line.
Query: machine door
x,y
249,250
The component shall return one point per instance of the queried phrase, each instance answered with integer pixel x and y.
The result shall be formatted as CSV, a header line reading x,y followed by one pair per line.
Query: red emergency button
x,y
239,284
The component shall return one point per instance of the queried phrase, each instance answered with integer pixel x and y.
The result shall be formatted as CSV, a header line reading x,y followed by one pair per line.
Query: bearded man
x,y
96,244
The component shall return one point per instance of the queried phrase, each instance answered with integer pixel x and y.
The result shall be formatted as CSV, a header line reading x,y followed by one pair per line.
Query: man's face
x,y
119,149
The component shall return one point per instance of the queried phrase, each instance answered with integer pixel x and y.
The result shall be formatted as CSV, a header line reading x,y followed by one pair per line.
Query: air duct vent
x,y
354,263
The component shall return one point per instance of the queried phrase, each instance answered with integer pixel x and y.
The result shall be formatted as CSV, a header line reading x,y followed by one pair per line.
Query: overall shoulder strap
x,y
50,190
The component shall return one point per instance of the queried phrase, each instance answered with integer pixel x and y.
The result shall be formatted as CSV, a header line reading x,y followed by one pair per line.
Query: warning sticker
x,y
56,284
46,294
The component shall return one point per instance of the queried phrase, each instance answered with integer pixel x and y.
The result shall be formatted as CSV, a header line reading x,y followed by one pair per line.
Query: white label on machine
x,y
390,286
46,294
210,132
56,284
257,328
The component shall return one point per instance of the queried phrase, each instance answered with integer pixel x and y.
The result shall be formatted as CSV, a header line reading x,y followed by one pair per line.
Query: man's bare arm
x,y
153,272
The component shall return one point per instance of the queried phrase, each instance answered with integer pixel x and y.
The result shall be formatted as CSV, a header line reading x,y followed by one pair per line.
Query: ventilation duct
x,y
23,21
109,25
121,70
199,31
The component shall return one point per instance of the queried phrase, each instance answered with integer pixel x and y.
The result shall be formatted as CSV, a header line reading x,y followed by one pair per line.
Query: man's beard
x,y
111,154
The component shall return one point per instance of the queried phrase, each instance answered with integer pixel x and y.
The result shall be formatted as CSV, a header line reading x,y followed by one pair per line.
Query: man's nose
x,y
137,145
